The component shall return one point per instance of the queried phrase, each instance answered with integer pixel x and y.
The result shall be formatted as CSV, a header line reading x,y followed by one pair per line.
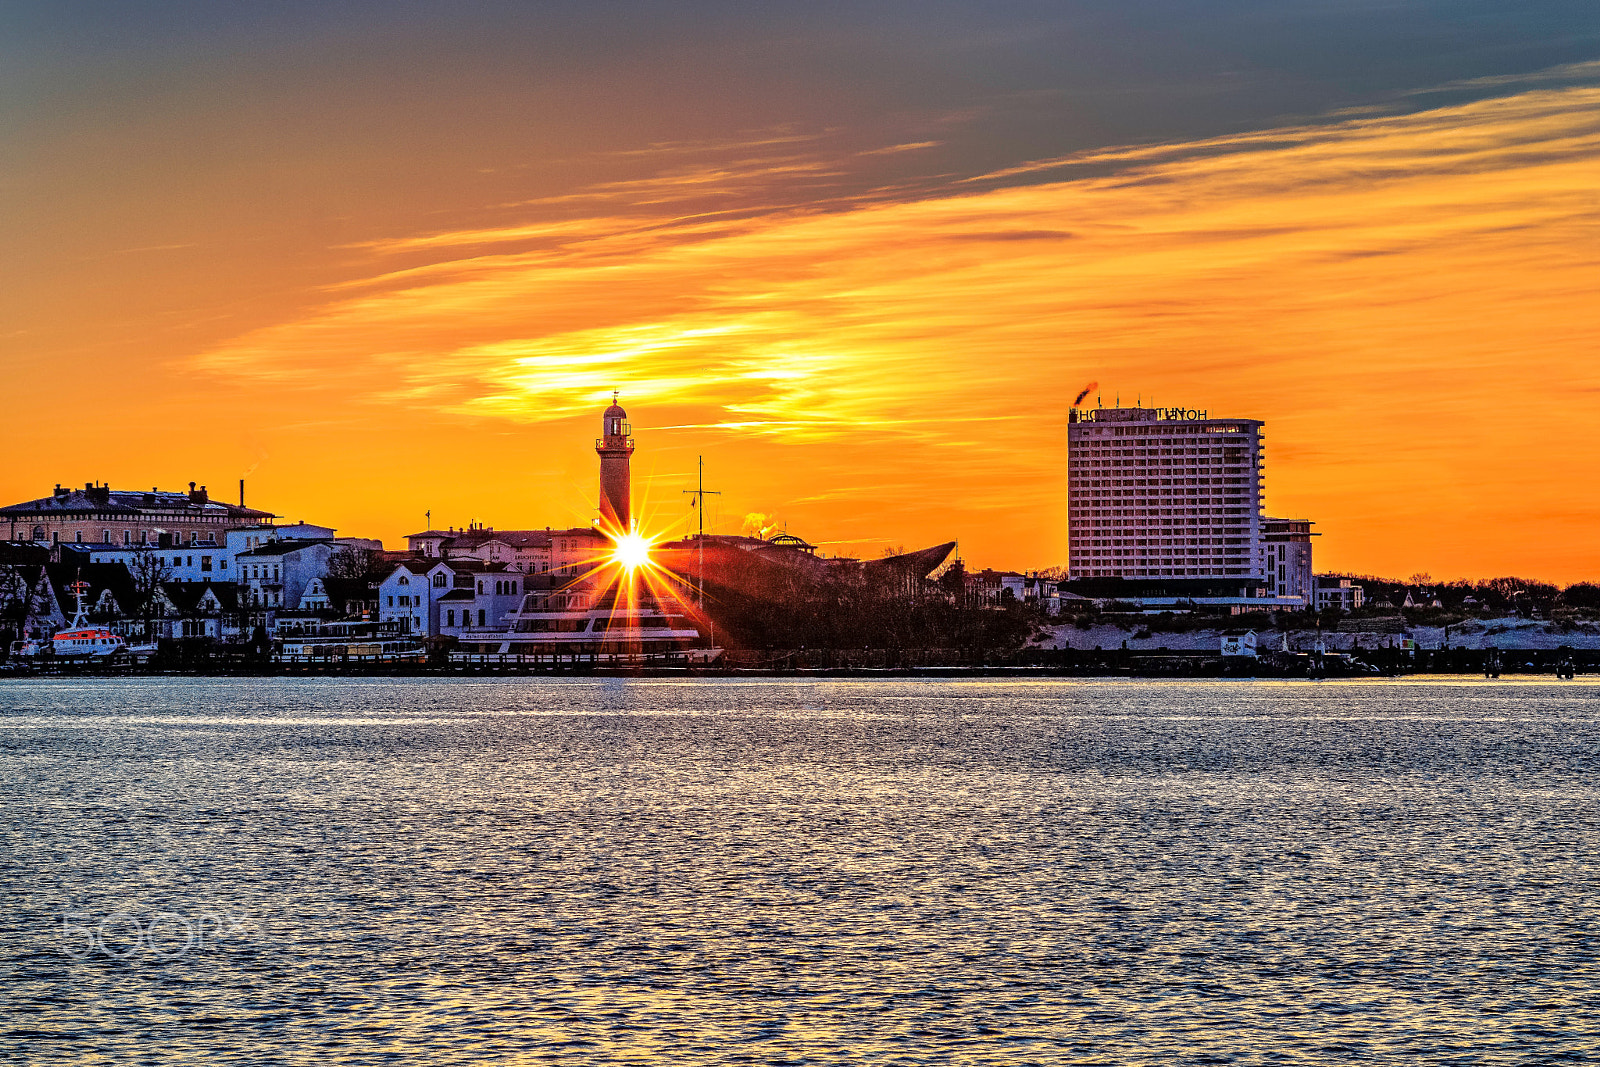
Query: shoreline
x,y
1134,668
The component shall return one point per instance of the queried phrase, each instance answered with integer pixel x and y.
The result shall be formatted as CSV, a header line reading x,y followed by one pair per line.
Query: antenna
x,y
698,497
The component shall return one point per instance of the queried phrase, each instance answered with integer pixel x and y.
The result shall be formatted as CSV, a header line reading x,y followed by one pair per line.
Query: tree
x,y
149,571
361,564
1581,595
15,596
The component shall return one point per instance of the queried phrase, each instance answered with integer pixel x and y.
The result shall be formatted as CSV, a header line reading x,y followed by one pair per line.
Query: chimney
x,y
241,492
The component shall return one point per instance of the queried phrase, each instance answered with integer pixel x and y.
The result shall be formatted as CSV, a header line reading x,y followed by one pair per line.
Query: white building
x,y
1240,645
1334,593
994,589
211,560
1287,552
276,574
469,594
1163,493
202,561
404,598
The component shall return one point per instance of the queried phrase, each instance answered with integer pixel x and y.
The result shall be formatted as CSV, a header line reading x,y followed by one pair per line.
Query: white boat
x,y
81,640
638,631
350,641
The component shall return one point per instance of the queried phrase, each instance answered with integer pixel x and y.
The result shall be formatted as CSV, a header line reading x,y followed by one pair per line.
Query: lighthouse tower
x,y
614,448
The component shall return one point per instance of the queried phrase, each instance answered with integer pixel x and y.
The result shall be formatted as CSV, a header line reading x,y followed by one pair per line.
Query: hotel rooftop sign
x,y
1138,415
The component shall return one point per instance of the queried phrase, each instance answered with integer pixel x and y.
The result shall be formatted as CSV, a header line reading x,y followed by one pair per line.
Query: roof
x,y
922,562
23,552
457,594
281,548
186,596
103,500
730,540
99,577
514,538
789,540
472,566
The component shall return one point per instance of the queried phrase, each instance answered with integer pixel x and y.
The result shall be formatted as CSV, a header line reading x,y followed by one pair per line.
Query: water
x,y
571,871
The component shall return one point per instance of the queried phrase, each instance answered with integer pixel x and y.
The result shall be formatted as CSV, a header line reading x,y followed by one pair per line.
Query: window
x,y
438,580
77,536
451,616
391,602
404,580
205,563
482,617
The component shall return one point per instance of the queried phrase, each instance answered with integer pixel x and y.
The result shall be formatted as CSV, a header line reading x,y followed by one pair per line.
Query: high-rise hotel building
x,y
1164,493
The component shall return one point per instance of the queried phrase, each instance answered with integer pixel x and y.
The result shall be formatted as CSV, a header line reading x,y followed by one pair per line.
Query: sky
x,y
387,262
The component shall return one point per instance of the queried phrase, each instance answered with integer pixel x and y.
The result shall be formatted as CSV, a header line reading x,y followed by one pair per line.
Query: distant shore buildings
x,y
1164,508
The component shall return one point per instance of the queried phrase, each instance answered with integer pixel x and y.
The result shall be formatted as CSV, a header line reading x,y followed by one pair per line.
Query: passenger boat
x,y
80,640
613,630
352,641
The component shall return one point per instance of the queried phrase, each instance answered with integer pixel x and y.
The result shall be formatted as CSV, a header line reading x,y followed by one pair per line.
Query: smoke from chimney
x,y
1086,390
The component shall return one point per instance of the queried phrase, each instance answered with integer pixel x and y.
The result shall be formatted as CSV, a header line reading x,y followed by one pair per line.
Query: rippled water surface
x,y
903,871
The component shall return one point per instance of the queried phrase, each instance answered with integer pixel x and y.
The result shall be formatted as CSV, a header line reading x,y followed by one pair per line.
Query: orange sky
x,y
1406,297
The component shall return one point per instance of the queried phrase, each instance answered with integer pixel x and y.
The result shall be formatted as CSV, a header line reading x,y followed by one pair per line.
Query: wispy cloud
x,y
1342,274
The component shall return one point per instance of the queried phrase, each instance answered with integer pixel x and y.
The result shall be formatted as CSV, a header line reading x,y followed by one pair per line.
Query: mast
x,y
700,499
80,618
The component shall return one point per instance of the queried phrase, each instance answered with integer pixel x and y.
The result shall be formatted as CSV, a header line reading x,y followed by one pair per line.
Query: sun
x,y
632,551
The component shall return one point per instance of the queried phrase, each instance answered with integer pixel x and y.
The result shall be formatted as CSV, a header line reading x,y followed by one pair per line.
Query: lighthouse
x,y
614,447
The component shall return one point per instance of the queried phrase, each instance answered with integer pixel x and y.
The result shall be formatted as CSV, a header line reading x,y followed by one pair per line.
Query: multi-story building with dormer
x,y
100,515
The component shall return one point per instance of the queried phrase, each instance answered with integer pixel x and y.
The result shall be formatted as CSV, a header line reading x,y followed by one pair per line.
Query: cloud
x,y
1355,278
895,149
800,322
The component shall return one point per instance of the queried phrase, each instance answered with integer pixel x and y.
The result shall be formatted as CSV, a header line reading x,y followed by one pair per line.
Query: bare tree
x,y
14,602
358,563
149,571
